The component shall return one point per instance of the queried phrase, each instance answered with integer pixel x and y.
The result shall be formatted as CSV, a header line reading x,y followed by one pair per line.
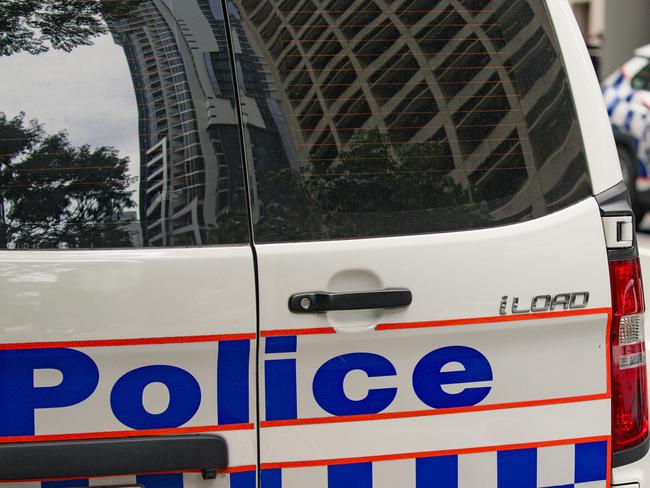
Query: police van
x,y
310,244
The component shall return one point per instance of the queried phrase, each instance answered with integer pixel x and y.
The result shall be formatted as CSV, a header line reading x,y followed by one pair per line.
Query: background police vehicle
x,y
313,243
627,95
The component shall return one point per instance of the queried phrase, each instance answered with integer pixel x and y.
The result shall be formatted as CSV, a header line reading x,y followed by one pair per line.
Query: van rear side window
x,y
363,120
118,126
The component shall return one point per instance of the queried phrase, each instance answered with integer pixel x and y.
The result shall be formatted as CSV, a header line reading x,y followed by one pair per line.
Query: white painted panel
x,y
452,276
556,465
389,474
60,296
121,294
443,432
315,477
574,366
476,470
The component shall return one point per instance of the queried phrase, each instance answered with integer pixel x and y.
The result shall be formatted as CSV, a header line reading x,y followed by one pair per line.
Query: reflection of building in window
x,y
190,161
481,79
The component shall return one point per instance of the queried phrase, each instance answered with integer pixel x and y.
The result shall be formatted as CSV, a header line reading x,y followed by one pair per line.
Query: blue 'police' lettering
x,y
428,377
281,402
328,384
184,397
233,362
19,398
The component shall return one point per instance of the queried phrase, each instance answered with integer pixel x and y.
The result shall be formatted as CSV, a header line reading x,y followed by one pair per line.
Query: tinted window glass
x,y
118,126
371,118
642,80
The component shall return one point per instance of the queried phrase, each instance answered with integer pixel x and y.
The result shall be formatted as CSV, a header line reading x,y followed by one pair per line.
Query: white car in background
x,y
627,95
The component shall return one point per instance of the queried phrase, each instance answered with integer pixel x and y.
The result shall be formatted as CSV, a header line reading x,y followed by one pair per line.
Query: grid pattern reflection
x,y
405,116
191,174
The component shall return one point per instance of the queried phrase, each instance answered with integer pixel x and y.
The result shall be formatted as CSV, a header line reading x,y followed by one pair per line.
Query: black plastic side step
x,y
110,457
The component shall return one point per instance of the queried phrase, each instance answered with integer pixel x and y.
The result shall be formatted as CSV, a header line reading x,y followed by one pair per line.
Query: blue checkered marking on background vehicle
x,y
581,465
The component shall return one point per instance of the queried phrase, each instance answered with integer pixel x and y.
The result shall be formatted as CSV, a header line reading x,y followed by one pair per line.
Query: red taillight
x,y
629,387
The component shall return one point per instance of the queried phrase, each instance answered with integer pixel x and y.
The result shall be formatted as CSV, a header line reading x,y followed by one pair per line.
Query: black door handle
x,y
315,302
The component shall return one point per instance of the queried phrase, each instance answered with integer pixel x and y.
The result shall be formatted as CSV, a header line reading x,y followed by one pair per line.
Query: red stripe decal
x,y
430,413
449,452
447,323
239,469
608,351
494,319
293,332
608,483
129,342
125,433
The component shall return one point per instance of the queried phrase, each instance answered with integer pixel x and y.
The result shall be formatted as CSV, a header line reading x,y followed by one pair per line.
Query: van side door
x,y
434,291
128,324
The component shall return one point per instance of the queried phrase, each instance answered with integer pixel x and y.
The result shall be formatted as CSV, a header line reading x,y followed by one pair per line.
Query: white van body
x,y
456,340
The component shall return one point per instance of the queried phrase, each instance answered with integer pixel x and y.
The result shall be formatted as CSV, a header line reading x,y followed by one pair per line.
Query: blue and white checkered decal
x,y
576,465
581,465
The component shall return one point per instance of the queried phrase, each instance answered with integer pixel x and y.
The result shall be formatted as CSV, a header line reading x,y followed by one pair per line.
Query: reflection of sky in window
x,y
87,92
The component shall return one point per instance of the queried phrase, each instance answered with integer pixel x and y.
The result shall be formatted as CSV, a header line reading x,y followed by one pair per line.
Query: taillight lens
x,y
629,387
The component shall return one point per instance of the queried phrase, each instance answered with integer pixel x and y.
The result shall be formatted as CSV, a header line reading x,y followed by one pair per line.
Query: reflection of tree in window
x,y
374,180
54,194
35,26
